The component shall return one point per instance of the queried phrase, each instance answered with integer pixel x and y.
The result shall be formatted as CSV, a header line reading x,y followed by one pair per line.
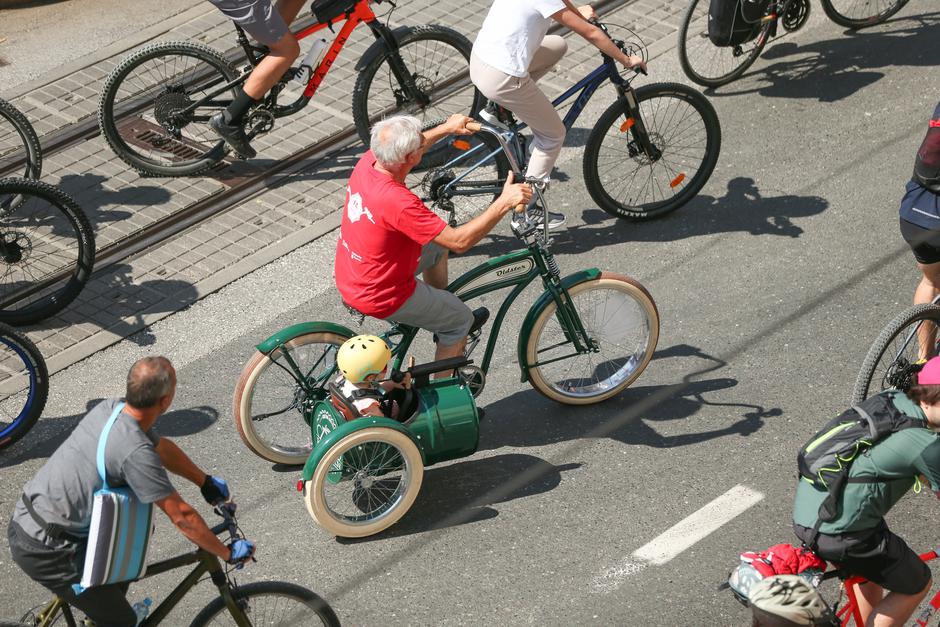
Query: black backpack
x,y
733,22
927,163
826,458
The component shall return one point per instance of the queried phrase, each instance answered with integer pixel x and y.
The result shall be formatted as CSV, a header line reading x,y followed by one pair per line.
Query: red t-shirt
x,y
384,227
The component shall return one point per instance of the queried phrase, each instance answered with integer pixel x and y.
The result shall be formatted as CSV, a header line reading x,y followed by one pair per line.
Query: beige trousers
x,y
523,97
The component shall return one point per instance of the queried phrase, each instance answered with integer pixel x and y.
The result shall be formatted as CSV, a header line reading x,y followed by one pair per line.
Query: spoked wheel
x,y
20,153
270,603
454,184
892,361
146,109
628,182
861,13
365,483
438,59
620,316
47,250
271,404
704,62
24,385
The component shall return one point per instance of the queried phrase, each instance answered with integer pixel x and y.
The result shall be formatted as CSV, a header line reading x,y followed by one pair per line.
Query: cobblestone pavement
x,y
293,209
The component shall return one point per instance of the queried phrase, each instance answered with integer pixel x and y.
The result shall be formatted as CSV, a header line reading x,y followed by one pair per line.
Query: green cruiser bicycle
x,y
586,338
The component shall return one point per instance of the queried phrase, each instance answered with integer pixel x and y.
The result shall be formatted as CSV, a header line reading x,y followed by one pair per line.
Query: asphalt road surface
x,y
771,286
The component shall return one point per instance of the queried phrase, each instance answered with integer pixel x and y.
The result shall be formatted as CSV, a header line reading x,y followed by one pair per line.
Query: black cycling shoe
x,y
233,134
480,316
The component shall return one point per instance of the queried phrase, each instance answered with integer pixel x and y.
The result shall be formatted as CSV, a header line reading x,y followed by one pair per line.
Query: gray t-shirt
x,y
62,491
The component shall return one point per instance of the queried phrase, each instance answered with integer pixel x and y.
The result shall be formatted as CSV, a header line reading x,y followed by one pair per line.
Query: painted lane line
x,y
702,523
679,537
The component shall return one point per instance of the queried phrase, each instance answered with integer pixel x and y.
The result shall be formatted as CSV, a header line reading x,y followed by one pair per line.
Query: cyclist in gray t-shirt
x,y
49,527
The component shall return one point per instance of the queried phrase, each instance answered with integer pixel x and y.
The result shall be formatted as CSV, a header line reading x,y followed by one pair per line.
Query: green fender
x,y
323,446
568,282
295,330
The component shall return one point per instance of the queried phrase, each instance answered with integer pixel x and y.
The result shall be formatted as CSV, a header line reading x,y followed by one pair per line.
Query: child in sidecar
x,y
359,390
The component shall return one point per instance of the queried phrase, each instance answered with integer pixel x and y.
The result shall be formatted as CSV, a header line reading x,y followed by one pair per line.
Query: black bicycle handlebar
x,y
617,42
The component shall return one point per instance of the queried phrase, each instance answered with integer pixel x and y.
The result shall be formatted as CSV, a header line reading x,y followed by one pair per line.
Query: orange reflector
x,y
677,180
461,144
626,125
300,485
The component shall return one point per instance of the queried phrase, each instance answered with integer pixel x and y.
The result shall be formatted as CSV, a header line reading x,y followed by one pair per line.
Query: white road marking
x,y
680,536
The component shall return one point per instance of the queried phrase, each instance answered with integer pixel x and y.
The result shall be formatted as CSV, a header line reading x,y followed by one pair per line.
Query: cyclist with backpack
x,y
852,472
512,52
920,212
269,26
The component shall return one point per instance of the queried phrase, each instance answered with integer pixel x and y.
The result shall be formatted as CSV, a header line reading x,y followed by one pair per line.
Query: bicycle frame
x,y
851,612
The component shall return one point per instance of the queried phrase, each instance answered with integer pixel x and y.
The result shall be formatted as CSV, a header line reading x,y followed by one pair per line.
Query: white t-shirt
x,y
512,32
361,404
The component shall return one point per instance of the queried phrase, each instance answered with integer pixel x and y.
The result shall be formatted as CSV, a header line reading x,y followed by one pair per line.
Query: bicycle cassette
x,y
795,16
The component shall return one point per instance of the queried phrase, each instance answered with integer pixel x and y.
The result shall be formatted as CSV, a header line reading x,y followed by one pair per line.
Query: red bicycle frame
x,y
851,612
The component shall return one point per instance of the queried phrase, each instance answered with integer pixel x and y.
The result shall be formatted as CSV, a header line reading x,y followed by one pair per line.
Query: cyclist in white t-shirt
x,y
512,52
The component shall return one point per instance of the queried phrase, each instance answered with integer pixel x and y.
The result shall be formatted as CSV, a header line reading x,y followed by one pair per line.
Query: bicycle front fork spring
x,y
552,265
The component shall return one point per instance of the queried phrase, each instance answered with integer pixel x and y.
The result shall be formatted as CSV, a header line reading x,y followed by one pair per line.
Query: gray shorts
x,y
438,311
258,18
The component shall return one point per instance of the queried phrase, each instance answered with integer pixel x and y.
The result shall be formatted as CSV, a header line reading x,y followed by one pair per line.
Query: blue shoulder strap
x,y
103,439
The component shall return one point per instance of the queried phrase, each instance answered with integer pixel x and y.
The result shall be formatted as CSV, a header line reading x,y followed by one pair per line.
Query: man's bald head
x,y
149,380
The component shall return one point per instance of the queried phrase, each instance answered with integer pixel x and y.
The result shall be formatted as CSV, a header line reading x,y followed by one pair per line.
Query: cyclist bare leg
x,y
892,610
927,290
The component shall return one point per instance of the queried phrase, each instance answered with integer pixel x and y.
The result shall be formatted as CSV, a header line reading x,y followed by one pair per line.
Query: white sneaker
x,y
535,215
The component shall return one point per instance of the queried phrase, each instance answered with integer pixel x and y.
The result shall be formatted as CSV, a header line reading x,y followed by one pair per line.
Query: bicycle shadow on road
x,y
527,419
462,492
102,204
117,301
48,433
834,69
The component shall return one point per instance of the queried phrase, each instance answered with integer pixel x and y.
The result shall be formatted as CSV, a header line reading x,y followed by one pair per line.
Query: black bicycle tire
x,y
897,325
55,301
30,140
848,22
25,422
712,150
308,597
705,81
108,125
360,95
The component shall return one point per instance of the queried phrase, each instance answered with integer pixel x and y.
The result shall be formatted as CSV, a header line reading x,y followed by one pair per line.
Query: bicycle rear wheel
x,y
861,13
20,152
24,385
47,251
271,603
891,362
617,313
704,62
682,125
143,108
437,58
270,405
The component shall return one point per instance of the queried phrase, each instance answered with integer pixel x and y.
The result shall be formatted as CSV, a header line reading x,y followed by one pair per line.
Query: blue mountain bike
x,y
649,153
24,385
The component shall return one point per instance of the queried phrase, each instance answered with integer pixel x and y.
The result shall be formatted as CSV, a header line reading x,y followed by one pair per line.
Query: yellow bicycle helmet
x,y
362,356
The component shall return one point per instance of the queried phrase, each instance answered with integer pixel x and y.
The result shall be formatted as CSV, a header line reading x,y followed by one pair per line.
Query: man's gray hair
x,y
394,138
149,380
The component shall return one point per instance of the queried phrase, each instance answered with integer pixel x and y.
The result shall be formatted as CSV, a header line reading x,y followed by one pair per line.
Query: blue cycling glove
x,y
242,551
214,490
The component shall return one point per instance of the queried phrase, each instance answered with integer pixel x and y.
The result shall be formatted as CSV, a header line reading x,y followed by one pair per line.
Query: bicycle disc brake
x,y
796,15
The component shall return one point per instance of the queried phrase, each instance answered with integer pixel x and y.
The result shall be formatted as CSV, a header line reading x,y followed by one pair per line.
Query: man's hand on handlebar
x,y
457,125
635,63
240,551
215,490
515,194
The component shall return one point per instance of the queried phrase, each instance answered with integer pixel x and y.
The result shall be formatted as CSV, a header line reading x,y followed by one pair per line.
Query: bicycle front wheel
x,y
24,385
47,251
437,59
891,362
683,129
704,62
861,13
20,153
146,109
620,316
270,603
271,404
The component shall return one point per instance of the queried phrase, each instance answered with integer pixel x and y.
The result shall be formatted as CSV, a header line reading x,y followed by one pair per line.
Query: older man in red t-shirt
x,y
388,235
